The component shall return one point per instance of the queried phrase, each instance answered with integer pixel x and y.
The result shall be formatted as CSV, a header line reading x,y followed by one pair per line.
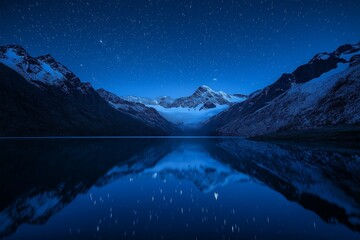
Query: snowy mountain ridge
x,y
42,70
203,95
192,111
319,94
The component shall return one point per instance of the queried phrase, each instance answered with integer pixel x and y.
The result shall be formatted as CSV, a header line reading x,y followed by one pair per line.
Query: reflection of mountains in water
x,y
39,177
323,180
46,175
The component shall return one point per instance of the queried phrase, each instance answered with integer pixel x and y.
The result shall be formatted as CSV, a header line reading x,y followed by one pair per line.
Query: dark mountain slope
x,y
27,110
147,115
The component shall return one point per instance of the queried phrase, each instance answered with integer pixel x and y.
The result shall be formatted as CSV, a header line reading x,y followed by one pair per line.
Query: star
x,y
216,195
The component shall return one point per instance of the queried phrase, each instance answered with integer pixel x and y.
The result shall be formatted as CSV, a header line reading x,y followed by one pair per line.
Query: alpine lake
x,y
178,188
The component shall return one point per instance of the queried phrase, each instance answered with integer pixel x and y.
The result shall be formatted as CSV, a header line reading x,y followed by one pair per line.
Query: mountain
x,y
192,111
41,97
321,94
139,111
203,96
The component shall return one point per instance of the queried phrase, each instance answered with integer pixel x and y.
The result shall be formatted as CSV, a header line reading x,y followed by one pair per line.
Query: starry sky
x,y
170,47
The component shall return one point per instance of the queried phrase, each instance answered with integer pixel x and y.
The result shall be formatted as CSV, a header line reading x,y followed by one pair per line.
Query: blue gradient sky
x,y
170,47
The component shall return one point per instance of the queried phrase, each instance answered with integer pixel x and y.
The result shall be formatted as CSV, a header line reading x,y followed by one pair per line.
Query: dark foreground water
x,y
177,189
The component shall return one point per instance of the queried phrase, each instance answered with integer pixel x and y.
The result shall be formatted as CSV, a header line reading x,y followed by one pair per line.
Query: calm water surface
x,y
177,189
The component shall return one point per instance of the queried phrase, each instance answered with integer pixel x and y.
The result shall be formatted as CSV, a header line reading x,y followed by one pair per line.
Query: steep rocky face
x,y
139,111
208,105
306,98
41,97
164,101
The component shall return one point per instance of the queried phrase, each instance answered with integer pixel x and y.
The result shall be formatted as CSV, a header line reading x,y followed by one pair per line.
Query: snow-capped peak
x,y
323,56
46,58
205,95
33,69
191,111
15,49
205,87
42,71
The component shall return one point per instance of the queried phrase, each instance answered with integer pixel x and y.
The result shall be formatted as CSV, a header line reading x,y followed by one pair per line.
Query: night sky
x,y
170,47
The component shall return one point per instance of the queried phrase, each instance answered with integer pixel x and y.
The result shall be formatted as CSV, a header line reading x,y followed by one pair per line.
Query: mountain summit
x,y
206,97
42,71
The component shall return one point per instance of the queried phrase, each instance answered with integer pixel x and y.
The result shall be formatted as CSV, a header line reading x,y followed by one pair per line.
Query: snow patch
x,y
308,93
188,117
143,100
348,56
323,56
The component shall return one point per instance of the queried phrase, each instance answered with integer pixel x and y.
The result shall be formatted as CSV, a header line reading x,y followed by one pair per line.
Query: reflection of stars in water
x,y
151,210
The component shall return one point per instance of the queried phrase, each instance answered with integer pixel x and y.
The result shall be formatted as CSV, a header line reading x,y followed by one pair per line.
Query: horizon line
x,y
116,137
